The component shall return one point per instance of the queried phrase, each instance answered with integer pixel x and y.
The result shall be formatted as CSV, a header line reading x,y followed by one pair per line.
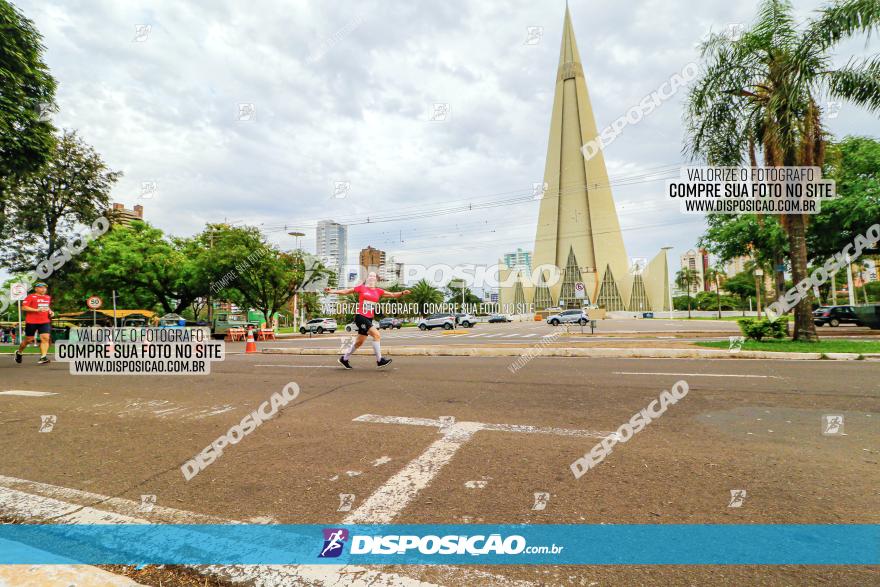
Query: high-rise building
x,y
578,232
372,260
119,214
519,259
697,261
392,272
332,244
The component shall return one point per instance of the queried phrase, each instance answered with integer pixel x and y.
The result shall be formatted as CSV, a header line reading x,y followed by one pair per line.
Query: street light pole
x,y
297,235
666,250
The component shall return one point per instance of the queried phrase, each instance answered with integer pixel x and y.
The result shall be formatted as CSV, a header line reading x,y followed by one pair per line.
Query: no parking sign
x,y
580,290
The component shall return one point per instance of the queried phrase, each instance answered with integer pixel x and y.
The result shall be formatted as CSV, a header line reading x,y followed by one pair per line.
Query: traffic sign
x,y
580,290
94,303
17,292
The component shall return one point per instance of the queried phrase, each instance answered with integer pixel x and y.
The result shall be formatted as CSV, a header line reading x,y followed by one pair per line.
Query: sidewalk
x,y
64,575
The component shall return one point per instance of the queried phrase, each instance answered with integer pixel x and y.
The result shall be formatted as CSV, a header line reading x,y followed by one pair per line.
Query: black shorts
x,y
31,329
363,323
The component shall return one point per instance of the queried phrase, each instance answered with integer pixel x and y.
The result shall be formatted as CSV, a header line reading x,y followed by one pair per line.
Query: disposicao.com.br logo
x,y
392,544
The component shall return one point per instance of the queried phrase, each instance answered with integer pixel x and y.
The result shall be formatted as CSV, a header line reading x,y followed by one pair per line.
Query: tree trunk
x,y
778,261
718,296
804,328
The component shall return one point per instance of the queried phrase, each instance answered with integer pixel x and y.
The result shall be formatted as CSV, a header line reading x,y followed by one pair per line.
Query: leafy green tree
x,y
761,91
457,290
715,275
684,279
728,236
423,294
854,164
254,273
72,188
145,267
28,93
742,285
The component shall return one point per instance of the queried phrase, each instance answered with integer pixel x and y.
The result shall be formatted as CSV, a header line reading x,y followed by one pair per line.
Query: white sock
x,y
378,350
349,352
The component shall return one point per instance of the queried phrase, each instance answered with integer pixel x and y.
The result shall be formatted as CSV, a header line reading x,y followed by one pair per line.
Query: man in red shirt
x,y
37,319
368,297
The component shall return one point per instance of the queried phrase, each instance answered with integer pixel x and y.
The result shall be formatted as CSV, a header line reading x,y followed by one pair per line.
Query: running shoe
x,y
382,362
18,356
43,360
344,363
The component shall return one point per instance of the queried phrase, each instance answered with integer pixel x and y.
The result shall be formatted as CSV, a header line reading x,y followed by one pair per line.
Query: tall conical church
x,y
578,232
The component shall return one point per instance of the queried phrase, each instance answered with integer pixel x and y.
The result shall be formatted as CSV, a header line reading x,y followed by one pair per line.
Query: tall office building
x,y
519,259
332,244
119,214
697,261
372,260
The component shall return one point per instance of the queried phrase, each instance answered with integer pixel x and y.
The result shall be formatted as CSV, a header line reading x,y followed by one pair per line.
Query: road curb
x,y
608,353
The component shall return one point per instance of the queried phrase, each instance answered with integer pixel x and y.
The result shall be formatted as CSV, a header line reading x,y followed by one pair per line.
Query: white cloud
x,y
342,92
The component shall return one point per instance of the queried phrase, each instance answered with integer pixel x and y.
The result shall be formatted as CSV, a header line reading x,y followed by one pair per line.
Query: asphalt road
x,y
744,425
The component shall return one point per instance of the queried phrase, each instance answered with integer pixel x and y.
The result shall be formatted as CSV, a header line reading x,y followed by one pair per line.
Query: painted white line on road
x,y
302,366
389,500
26,393
36,509
700,374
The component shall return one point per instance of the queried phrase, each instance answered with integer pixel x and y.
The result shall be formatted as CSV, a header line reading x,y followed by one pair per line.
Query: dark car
x,y
498,318
835,316
390,323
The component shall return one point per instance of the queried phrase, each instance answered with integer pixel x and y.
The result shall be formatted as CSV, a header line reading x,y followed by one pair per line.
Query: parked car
x,y
869,315
568,316
498,318
466,320
835,316
319,326
444,321
391,323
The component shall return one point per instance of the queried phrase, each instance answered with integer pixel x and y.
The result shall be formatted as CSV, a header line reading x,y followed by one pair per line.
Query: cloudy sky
x,y
253,111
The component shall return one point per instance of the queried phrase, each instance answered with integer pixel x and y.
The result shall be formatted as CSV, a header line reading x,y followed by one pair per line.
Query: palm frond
x,y
857,82
841,20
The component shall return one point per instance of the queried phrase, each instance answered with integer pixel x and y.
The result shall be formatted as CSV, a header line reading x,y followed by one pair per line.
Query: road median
x,y
609,353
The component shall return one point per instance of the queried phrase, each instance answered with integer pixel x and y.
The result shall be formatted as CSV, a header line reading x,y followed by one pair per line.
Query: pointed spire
x,y
569,58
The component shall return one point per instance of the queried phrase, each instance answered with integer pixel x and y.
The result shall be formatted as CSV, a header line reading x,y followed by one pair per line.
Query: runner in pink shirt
x,y
368,298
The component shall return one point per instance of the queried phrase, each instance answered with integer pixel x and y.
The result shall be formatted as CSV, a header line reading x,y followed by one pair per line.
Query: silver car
x,y
319,326
444,321
567,317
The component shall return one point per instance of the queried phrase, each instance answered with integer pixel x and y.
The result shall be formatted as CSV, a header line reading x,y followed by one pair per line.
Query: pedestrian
x,y
368,298
37,320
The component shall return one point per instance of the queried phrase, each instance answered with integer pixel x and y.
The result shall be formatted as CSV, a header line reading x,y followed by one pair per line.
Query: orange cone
x,y
251,346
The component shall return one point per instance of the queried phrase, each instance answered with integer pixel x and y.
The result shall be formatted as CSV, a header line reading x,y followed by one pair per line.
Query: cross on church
x,y
391,498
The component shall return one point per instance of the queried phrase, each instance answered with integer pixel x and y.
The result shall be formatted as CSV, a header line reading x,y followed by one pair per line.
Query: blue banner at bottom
x,y
477,544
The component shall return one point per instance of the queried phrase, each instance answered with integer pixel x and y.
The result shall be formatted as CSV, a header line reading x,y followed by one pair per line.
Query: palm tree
x,y
714,274
762,91
423,294
684,279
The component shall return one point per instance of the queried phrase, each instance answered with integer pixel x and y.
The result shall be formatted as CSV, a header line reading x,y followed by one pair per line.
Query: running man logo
x,y
832,425
736,343
737,497
334,541
47,423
